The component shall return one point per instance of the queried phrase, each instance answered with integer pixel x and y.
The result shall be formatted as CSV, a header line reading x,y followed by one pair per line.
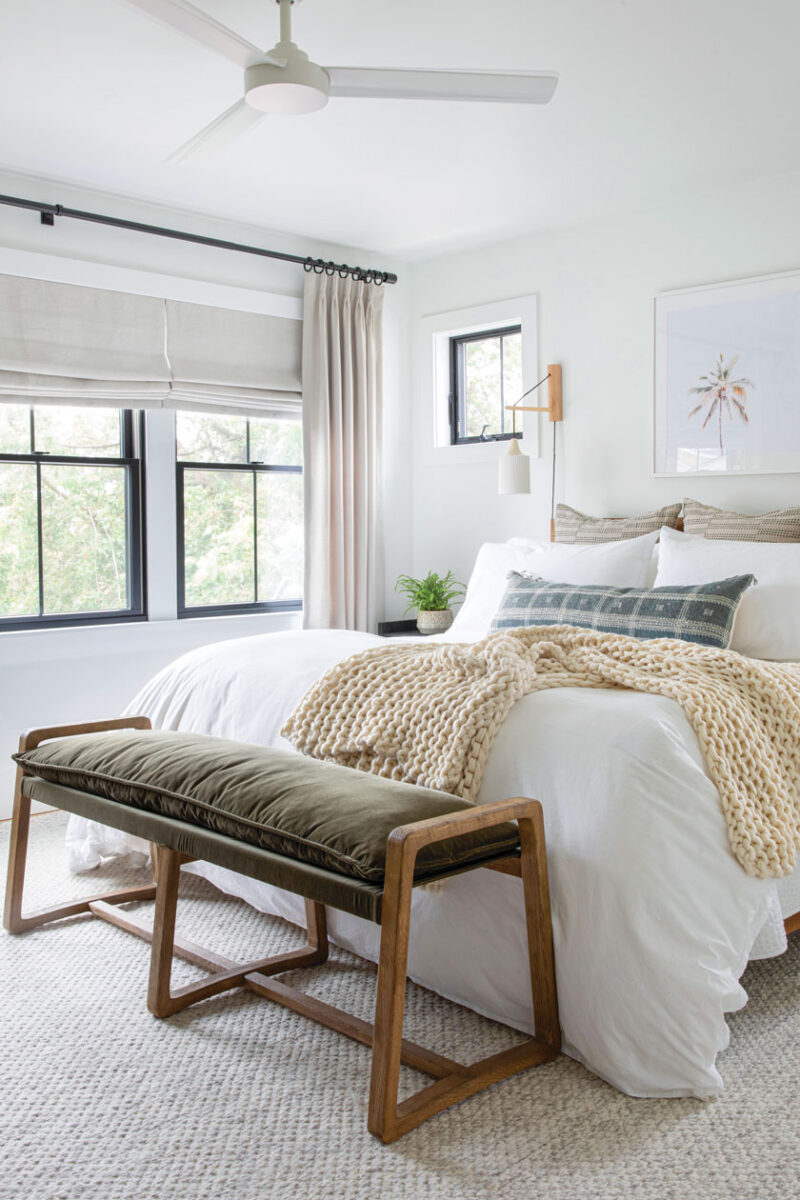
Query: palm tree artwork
x,y
721,392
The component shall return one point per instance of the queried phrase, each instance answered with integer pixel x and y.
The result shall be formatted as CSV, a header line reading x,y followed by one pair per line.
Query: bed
x,y
654,921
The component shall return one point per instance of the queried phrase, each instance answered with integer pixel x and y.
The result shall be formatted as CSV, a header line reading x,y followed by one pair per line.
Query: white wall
x,y
59,675
595,286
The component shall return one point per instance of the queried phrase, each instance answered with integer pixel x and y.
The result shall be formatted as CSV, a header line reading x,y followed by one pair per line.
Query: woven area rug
x,y
237,1099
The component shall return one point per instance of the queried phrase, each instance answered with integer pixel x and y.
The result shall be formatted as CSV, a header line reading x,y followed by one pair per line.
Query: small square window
x,y
485,376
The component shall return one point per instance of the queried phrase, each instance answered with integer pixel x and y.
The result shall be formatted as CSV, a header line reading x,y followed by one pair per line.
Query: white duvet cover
x,y
654,920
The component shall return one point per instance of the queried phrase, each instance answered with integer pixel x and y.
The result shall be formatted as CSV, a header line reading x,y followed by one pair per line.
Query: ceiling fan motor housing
x,y
299,87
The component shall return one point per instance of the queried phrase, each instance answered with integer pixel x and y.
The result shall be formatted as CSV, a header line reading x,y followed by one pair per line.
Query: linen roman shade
x,y
67,344
64,344
230,361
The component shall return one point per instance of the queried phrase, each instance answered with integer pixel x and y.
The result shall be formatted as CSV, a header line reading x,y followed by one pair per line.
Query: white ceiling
x,y
657,98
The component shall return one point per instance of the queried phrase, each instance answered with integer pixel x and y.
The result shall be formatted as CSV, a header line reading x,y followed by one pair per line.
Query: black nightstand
x,y
397,628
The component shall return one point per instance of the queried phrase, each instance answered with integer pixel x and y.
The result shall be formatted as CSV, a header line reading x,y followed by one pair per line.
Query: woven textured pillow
x,y
781,525
702,613
575,527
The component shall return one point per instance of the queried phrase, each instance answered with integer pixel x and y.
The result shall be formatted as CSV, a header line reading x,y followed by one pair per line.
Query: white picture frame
x,y
727,378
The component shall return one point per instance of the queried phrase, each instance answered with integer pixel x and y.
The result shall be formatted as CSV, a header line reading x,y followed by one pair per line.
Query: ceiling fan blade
x,y
223,130
500,87
183,16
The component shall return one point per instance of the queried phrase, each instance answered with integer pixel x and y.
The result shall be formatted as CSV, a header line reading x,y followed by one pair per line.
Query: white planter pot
x,y
435,620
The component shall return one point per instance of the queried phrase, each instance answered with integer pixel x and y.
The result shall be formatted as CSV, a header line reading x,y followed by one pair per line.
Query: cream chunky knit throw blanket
x,y
428,714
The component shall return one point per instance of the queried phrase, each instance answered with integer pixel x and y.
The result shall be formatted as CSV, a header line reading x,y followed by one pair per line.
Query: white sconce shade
x,y
514,471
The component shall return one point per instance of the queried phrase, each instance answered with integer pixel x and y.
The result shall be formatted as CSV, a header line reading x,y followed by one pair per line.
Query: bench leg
x,y
161,1000
387,1120
13,919
533,863
17,853
391,995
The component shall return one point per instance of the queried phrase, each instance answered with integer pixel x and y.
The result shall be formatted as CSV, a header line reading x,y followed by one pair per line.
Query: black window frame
x,y
458,399
256,468
132,459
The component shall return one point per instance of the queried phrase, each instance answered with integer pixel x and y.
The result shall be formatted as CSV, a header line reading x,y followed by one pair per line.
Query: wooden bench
x,y
182,824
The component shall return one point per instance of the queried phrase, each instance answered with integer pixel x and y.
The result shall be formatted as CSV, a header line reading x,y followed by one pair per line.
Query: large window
x,y
485,376
240,514
70,516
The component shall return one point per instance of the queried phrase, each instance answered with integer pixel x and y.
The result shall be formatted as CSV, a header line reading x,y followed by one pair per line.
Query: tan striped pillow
x,y
781,525
575,528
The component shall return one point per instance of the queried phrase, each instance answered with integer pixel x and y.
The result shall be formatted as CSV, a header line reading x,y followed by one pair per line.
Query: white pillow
x,y
615,564
625,563
768,621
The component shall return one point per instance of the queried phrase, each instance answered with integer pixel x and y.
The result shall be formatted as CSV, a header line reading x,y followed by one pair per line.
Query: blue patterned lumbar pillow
x,y
702,613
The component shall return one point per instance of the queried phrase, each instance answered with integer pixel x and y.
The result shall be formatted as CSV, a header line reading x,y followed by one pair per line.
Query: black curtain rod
x,y
48,213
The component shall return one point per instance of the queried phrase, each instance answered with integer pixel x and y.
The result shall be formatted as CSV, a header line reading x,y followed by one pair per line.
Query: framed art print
x,y
727,378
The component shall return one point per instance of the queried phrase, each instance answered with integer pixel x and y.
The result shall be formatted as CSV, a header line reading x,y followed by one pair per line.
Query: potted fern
x,y
431,597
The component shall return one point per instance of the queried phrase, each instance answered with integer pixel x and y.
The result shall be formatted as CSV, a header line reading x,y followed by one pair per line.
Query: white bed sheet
x,y
654,920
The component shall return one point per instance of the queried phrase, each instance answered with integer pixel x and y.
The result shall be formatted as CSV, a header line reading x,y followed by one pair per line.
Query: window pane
x,y
487,377
83,539
512,373
83,432
280,536
19,558
218,537
277,443
482,387
15,429
210,438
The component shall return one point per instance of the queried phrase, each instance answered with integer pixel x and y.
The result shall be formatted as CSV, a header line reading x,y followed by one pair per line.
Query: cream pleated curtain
x,y
342,367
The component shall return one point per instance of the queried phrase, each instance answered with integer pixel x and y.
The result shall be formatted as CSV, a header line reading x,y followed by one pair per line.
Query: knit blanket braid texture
x,y
428,714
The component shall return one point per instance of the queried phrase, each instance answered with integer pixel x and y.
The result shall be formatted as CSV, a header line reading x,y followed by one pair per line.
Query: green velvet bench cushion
x,y
307,826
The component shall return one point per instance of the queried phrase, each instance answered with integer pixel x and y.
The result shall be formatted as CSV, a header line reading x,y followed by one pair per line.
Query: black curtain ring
x,y
308,265
369,275
319,266
357,274
330,268
380,278
344,271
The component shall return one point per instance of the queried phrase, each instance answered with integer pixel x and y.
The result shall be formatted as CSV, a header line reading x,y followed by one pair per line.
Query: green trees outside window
x,y
240,513
485,375
70,523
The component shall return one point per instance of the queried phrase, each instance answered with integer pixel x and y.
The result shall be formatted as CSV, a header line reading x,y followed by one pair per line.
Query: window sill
x,y
72,622
270,608
471,452
173,635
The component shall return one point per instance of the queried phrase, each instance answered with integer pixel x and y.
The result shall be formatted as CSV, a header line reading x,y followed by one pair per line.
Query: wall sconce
x,y
514,468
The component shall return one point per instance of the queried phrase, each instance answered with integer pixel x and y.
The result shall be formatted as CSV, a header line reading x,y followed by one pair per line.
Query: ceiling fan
x,y
284,81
